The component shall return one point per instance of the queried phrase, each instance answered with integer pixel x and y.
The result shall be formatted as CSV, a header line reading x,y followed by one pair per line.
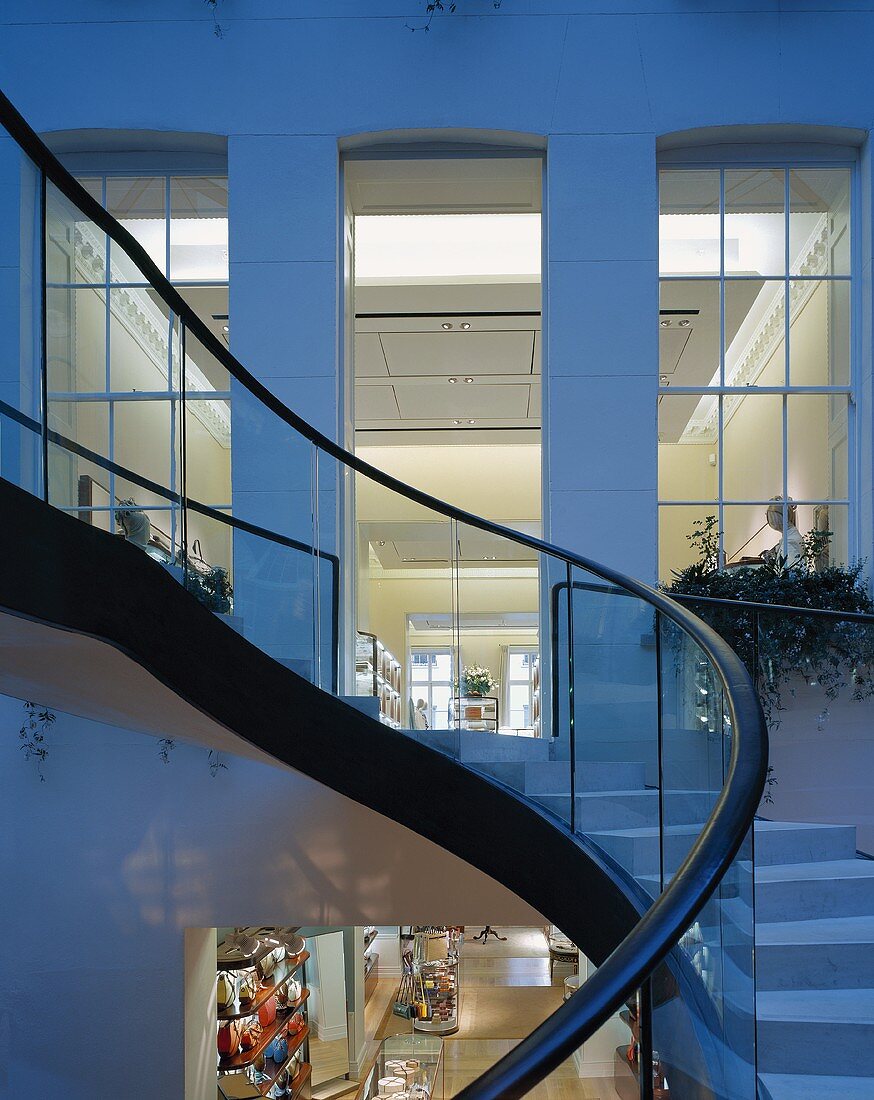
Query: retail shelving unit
x,y
371,963
474,712
536,706
439,980
378,673
250,1073
415,1059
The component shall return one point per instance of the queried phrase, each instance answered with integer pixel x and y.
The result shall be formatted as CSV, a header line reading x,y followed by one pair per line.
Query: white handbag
x,y
225,990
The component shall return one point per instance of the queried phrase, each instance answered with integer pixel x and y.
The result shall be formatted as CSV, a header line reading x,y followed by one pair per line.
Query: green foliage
x,y
38,720
476,680
212,586
831,654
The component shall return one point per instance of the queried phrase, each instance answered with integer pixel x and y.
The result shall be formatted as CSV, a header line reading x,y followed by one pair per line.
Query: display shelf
x,y
239,1009
378,673
626,1079
474,712
235,1062
231,957
536,700
272,1069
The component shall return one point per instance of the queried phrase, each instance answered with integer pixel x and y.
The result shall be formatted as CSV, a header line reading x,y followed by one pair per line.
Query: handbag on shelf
x,y
293,991
404,1004
296,1024
280,1049
249,1036
268,964
248,987
225,990
228,1039
267,1012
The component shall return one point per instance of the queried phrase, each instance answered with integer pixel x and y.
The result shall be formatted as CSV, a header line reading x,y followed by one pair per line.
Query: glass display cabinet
x,y
407,1067
474,712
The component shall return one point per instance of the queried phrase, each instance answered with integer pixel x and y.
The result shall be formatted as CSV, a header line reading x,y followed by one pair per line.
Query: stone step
x,y
798,1086
536,777
819,1031
777,843
473,748
812,891
830,953
610,810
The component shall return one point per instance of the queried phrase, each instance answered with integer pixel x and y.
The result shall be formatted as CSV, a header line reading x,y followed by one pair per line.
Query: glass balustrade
x,y
603,712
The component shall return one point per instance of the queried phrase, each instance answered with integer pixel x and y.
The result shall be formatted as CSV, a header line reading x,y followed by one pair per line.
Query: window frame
x,y
787,157
425,686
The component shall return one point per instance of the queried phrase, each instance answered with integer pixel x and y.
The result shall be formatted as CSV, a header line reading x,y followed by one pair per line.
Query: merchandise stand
x,y
410,1067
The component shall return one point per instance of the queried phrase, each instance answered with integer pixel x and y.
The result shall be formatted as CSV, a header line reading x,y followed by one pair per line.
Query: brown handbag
x,y
267,1012
228,1038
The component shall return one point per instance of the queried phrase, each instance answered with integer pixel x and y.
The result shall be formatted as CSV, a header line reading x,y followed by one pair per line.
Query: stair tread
x,y
801,1086
821,930
828,869
851,1006
761,827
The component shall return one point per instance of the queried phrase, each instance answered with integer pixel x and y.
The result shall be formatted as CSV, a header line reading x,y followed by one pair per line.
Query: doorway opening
x,y
443,381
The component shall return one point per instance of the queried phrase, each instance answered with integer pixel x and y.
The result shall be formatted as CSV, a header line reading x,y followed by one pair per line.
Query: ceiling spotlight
x,y
465,325
468,379
446,325
665,323
684,323
453,380
225,328
663,378
456,421
381,542
490,557
471,422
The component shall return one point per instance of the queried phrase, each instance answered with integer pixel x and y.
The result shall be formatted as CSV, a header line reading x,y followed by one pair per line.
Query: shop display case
x,y
378,673
536,701
437,979
474,712
410,1066
371,963
263,1028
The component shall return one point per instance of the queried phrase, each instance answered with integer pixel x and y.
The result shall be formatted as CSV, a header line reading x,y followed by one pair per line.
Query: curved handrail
x,y
722,834
782,608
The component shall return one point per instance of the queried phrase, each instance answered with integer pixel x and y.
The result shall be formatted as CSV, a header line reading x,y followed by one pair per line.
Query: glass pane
x,y
75,340
755,224
208,451
819,337
751,531
198,228
615,710
819,221
752,446
139,341
329,477
74,480
689,332
689,222
210,564
817,445
829,523
210,304
20,455
146,443
75,247
139,203
688,463
681,538
755,332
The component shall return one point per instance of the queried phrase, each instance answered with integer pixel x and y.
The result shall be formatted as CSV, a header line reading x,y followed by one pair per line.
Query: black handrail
x,y
722,834
781,608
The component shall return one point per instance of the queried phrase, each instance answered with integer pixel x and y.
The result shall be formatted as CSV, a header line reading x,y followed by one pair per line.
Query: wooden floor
x,y
466,1055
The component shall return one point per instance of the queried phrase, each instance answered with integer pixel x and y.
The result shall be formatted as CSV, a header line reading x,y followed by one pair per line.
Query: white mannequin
x,y
794,542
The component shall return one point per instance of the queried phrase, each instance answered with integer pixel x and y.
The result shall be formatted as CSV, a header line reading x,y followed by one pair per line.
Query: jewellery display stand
x,y
250,1073
414,1065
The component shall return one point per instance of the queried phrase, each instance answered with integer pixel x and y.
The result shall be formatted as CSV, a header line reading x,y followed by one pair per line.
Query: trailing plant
x,y
831,654
438,7
212,586
216,763
476,680
38,720
165,746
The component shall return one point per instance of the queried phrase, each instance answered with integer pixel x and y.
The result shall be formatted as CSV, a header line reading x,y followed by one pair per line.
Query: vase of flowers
x,y
476,680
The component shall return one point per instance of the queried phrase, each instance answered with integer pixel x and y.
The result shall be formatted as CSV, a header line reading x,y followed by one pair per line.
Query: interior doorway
x,y
443,384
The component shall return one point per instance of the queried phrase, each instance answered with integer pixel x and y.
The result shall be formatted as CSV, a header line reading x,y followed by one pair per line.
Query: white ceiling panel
x,y
369,360
458,353
538,342
375,403
534,401
461,402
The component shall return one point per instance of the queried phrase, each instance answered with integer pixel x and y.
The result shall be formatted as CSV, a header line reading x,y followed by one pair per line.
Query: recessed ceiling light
x,y
471,422
381,542
446,324
665,323
468,379
465,325
453,380
684,323
225,328
663,378
490,557
456,421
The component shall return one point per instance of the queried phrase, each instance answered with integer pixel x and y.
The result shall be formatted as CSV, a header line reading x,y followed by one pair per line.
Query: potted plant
x,y
477,681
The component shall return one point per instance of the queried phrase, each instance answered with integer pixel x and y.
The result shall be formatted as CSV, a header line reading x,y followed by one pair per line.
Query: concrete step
x,y
777,843
812,891
475,748
830,953
820,1031
797,1086
536,777
610,810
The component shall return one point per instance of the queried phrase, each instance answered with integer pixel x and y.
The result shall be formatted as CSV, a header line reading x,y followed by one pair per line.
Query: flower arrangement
x,y
476,680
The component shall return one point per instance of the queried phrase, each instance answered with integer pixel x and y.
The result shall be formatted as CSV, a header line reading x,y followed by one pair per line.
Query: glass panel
x,y
75,247
752,446
819,339
76,340
198,228
688,465
817,426
74,480
328,480
139,204
751,531
819,221
208,451
615,710
830,523
405,597
755,332
145,435
678,545
210,563
689,332
755,224
139,341
211,306
20,455
689,222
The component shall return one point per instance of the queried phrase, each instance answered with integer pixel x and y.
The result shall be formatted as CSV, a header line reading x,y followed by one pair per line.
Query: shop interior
x,y
414,1012
444,379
